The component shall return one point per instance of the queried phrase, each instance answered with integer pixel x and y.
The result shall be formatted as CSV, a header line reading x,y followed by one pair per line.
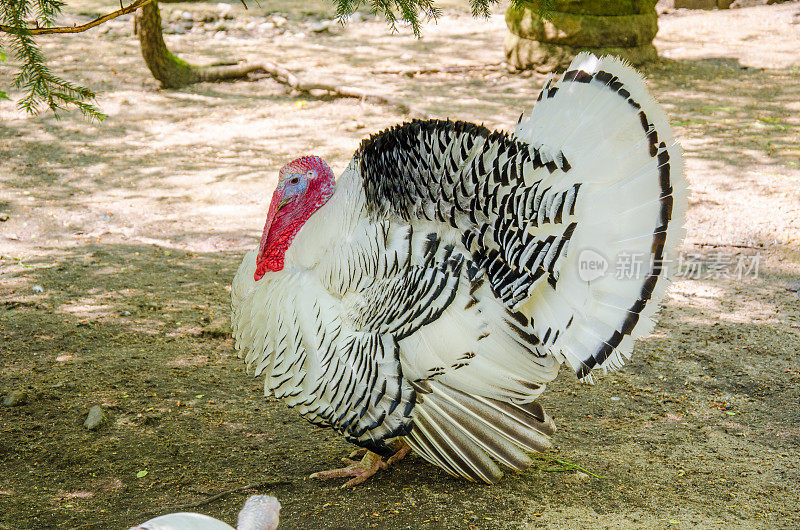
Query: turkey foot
x,y
368,466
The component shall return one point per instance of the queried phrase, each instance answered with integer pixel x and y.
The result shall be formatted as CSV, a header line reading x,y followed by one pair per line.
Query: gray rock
x,y
266,27
176,29
219,328
95,418
38,289
15,398
225,11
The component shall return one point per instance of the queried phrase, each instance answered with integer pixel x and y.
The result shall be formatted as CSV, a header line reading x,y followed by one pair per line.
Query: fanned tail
x,y
599,119
466,435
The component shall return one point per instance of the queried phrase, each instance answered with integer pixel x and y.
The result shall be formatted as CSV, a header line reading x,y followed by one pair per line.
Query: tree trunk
x,y
169,70
624,28
172,72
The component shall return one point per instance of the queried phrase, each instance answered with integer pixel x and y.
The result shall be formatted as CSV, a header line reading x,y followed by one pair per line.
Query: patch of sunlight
x,y
192,360
89,308
702,294
75,495
750,311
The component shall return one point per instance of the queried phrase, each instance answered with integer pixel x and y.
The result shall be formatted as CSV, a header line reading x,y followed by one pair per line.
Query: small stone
x,y
224,10
218,328
279,20
220,35
354,126
95,418
126,313
615,398
38,289
15,398
319,27
187,16
266,26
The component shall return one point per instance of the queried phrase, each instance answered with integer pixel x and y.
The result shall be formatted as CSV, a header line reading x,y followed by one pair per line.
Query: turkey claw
x,y
368,466
358,453
360,471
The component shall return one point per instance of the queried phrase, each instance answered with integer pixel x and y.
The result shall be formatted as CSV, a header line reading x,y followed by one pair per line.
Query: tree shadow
x,y
745,115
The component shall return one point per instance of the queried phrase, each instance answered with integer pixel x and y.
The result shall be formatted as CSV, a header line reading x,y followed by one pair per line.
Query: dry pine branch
x,y
412,71
282,75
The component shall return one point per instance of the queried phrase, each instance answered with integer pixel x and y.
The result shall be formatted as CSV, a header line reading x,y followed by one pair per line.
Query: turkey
x,y
424,299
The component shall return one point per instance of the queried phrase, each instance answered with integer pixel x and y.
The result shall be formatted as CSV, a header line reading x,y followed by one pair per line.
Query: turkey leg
x,y
368,466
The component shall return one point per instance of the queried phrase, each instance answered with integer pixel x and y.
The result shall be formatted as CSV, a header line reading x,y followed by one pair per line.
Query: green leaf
x,y
141,474
3,95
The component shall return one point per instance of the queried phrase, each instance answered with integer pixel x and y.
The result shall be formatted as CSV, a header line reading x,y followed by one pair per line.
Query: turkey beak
x,y
284,202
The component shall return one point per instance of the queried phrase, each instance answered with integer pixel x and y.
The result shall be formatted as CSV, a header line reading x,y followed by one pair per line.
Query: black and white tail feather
x,y
631,212
472,256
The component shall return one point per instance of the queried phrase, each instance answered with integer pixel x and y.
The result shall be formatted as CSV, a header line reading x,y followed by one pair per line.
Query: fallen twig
x,y
83,27
567,466
412,71
287,77
732,245
183,507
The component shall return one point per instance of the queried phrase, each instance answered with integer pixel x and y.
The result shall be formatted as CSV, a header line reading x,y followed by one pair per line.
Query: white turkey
x,y
260,512
425,298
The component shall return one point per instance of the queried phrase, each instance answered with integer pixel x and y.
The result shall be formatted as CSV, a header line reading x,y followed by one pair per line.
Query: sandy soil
x,y
122,239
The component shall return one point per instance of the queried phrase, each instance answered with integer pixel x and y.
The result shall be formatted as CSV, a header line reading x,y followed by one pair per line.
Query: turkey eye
x,y
295,180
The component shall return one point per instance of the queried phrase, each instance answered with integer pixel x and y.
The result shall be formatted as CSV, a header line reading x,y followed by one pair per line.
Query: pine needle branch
x,y
75,29
41,88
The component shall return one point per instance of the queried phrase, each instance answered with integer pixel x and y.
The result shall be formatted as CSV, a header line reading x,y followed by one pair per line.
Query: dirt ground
x,y
122,239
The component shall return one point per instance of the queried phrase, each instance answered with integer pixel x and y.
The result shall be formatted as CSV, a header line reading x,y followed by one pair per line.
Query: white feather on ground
x,y
260,512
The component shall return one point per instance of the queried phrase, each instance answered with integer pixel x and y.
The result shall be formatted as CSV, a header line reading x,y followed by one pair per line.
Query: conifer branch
x,y
83,27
